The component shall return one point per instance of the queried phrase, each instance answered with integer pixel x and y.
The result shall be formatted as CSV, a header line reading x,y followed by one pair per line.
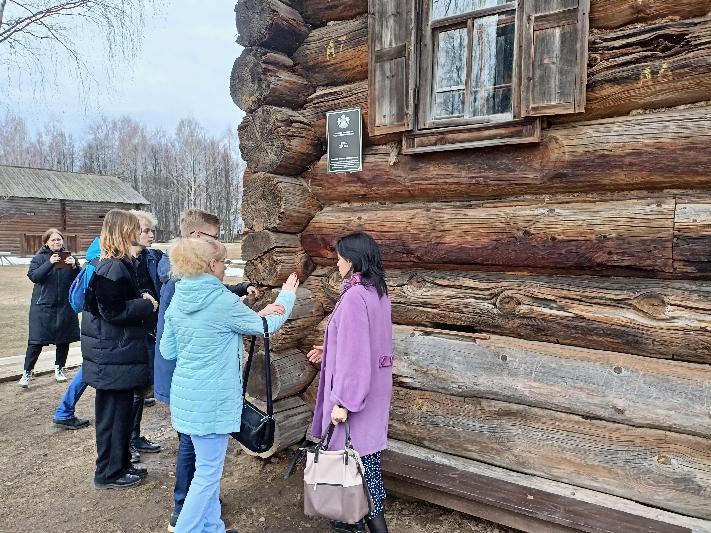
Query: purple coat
x,y
356,371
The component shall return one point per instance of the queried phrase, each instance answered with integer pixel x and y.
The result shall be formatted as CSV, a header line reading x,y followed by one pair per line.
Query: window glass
x,y
448,8
451,71
492,64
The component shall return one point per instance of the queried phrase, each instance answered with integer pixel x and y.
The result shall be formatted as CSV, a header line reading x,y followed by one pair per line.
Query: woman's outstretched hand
x,y
272,309
291,284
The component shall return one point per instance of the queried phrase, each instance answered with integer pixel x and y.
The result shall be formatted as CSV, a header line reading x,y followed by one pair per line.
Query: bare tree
x,y
42,32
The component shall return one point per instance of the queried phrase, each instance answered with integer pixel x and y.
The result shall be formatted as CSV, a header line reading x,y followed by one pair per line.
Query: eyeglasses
x,y
205,234
227,262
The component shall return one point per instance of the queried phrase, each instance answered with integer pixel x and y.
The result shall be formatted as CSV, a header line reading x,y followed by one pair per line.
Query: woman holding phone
x,y
52,320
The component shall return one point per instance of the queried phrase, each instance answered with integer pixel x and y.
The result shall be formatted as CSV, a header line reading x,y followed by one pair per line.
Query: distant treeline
x,y
187,168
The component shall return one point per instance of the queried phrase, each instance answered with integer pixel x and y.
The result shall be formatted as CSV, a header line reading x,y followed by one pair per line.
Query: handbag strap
x,y
267,368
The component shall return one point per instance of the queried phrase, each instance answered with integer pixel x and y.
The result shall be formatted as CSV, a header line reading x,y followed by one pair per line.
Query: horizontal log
x,y
277,203
319,12
269,24
278,140
291,374
292,419
616,13
324,284
536,504
263,77
311,393
275,266
593,233
260,242
647,67
658,151
692,235
659,468
335,54
654,318
629,389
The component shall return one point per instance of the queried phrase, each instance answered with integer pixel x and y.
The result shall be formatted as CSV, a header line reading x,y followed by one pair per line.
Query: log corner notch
x,y
271,24
272,257
277,203
320,12
263,77
279,141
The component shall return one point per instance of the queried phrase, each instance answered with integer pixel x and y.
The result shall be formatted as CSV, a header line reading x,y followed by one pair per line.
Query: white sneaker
x,y
25,379
58,374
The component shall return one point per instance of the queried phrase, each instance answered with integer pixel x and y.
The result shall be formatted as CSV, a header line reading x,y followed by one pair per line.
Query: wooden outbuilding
x,y
538,176
32,200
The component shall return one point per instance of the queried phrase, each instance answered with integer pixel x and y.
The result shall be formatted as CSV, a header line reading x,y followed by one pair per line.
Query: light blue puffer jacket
x,y
203,330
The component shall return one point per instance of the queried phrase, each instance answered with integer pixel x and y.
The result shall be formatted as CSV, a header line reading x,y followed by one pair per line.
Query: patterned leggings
x,y
374,480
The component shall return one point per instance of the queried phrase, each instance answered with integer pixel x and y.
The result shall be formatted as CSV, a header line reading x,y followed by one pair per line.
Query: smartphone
x,y
62,257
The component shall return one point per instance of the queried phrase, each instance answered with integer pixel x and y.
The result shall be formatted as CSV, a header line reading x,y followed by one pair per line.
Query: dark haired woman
x,y
52,320
356,366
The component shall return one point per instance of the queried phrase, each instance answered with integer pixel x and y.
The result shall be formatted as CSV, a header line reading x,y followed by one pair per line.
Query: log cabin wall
x,y
33,216
552,300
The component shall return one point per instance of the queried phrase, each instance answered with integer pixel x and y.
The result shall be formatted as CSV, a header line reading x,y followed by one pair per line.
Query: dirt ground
x,y
47,473
47,480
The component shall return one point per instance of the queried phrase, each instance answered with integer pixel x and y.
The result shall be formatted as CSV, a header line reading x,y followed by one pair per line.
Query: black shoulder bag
x,y
256,432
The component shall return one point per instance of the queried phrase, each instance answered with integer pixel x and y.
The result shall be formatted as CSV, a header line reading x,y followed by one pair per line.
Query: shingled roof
x,y
21,182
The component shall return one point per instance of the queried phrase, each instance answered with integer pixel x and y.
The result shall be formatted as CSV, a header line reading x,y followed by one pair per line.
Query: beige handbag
x,y
334,484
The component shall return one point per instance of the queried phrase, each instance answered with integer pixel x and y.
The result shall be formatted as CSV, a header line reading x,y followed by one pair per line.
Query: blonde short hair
x,y
118,234
146,219
191,257
192,220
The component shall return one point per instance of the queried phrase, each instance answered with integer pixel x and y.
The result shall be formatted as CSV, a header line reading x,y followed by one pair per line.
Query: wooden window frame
x,y
429,134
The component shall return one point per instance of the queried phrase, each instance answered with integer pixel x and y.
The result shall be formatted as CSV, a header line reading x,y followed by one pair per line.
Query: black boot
x,y
377,524
342,527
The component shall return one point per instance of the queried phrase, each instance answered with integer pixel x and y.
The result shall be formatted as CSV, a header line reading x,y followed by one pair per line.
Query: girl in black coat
x,y
115,348
52,320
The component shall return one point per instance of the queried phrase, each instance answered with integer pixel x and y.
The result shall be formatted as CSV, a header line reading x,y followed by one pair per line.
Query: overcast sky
x,y
182,70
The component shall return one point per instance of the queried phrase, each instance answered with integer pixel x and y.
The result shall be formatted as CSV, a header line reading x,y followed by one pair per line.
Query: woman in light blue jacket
x,y
203,332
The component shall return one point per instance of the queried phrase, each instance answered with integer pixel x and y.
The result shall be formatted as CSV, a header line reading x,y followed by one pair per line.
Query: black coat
x,y
114,340
52,319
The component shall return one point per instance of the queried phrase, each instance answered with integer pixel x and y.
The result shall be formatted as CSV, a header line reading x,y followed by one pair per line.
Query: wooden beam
x,y
278,141
692,235
653,318
277,203
647,67
269,24
276,265
525,502
606,14
336,54
320,12
658,468
595,233
617,387
262,77
657,151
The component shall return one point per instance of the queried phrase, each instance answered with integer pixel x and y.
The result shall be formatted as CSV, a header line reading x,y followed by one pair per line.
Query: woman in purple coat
x,y
356,366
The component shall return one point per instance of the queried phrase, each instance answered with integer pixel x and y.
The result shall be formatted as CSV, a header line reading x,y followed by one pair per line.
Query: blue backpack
x,y
77,292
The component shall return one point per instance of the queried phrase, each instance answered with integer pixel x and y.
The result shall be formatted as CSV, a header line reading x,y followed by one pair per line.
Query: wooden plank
x,y
692,235
617,387
658,151
658,468
410,466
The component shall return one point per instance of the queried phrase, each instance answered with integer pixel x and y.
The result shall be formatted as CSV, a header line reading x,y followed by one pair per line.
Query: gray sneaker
x,y
25,379
59,374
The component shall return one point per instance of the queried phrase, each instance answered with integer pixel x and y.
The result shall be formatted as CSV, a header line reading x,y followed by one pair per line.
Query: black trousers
x,y
113,432
34,350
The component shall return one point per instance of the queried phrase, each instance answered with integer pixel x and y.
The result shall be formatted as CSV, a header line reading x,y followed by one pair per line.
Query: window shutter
x,y
390,72
554,52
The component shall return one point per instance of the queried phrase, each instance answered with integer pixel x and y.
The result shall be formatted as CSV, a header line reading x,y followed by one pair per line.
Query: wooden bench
x,y
521,501
5,258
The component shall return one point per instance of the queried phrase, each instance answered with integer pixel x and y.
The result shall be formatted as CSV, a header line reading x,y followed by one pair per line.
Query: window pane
x,y
451,69
492,64
448,8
